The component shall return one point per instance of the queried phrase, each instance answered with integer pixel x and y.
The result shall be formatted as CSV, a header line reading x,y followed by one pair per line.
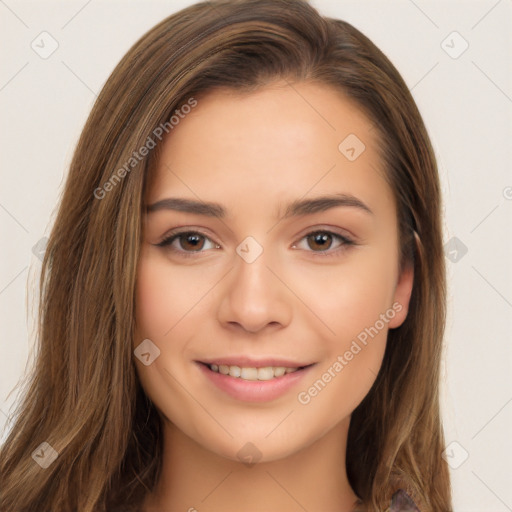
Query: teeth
x,y
235,371
266,373
279,371
249,373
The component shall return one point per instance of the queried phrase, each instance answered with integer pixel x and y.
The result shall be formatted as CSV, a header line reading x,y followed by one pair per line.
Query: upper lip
x,y
248,362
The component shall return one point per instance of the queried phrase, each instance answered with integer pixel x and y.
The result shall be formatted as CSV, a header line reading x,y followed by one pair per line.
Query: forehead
x,y
285,139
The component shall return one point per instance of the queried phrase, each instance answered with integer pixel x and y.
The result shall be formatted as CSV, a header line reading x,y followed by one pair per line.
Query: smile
x,y
262,383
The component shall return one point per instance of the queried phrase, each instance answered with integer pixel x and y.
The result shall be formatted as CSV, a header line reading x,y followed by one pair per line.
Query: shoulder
x,y
402,502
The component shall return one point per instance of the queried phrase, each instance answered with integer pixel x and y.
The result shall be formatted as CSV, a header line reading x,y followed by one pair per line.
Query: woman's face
x,y
270,278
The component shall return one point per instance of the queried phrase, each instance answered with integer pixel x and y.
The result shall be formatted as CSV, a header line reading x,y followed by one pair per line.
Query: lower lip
x,y
254,390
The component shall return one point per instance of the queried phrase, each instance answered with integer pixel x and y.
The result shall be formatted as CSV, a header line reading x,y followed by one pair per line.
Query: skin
x,y
254,153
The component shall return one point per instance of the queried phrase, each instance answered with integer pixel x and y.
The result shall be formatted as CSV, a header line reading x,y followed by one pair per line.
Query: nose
x,y
254,297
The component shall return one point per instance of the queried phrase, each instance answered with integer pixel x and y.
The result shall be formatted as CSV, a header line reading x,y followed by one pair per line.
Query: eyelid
x,y
184,230
333,230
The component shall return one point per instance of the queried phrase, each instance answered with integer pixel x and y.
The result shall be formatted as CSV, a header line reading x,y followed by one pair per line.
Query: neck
x,y
195,479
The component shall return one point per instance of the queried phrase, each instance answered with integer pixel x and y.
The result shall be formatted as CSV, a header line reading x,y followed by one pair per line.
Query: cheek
x,y
163,313
354,302
352,356
350,297
163,297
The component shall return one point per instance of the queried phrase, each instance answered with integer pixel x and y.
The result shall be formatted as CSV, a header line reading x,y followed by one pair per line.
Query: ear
x,y
402,296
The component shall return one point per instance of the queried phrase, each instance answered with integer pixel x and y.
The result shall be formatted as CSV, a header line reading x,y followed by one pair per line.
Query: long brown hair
x,y
84,398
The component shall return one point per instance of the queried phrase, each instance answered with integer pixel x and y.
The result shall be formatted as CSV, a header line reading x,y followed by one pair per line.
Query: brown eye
x,y
320,243
191,241
321,240
187,243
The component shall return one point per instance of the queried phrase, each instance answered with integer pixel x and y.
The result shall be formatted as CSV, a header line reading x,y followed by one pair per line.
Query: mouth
x,y
254,381
252,373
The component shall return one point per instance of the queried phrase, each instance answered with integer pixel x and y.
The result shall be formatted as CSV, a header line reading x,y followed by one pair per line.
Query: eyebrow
x,y
293,209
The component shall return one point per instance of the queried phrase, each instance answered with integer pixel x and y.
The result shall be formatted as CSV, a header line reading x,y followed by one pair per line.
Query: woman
x,y
243,295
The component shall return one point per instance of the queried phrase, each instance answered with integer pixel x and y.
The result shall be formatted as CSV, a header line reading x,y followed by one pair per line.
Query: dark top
x,y
402,502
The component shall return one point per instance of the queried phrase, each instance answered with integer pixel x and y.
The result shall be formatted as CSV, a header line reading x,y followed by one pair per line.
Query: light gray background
x,y
467,106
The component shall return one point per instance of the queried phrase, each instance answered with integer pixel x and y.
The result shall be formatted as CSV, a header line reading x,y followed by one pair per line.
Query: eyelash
x,y
168,240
